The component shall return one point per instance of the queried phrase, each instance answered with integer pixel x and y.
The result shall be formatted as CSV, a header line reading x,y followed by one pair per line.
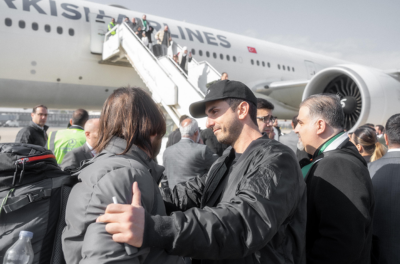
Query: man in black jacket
x,y
249,208
340,201
35,133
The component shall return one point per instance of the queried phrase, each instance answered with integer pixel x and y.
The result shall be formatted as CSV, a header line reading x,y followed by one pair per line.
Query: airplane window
x,y
35,26
283,66
288,68
214,55
263,64
200,53
292,69
8,22
208,54
252,62
71,32
279,66
21,24
234,58
221,56
269,65
258,63
59,30
193,52
228,58
47,28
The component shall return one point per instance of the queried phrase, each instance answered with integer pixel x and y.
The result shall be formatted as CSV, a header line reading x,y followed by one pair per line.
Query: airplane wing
x,y
286,92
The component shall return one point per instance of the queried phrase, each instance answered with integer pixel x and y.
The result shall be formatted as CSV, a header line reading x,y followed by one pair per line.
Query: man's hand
x,y
126,222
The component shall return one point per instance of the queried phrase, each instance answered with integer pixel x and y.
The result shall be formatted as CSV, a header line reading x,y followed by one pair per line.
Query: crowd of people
x,y
231,193
144,32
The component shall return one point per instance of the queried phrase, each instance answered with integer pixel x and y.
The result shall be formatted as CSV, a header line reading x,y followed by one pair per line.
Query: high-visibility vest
x,y
110,26
62,141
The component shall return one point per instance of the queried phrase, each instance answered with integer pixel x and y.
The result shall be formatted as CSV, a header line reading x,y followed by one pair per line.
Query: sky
x,y
365,32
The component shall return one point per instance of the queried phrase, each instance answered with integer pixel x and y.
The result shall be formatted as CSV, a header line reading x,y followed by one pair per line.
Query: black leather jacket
x,y
257,216
32,134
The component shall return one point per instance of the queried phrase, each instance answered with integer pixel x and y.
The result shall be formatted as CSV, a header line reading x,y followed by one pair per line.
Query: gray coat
x,y
290,140
105,176
186,160
385,174
72,160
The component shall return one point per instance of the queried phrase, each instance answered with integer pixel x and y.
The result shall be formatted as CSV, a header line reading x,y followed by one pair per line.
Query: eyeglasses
x,y
267,118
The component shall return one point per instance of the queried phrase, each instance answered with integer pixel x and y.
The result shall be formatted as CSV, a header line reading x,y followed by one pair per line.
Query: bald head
x,y
92,131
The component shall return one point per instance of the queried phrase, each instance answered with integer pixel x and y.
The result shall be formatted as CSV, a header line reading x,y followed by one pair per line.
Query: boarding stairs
x,y
169,85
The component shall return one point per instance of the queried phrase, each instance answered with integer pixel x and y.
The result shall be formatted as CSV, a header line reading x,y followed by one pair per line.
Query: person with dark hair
x,y
249,208
265,119
277,129
130,134
385,174
379,130
65,140
369,125
35,132
379,133
340,202
291,140
366,142
175,136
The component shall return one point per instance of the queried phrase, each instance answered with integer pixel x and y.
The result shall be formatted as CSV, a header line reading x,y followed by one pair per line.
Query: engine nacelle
x,y
367,95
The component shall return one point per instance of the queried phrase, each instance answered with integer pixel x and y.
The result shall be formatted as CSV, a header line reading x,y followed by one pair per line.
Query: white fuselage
x,y
59,70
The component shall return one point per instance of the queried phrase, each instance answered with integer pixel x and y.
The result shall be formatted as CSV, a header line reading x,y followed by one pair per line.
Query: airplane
x,y
49,57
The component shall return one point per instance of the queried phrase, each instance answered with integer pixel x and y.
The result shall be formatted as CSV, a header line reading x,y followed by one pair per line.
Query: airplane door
x,y
310,69
98,29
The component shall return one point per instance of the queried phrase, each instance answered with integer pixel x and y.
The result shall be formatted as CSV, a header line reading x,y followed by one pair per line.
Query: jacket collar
x,y
37,127
392,154
337,143
76,127
117,145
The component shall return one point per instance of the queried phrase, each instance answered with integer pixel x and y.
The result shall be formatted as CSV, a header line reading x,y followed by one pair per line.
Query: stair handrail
x,y
156,59
201,62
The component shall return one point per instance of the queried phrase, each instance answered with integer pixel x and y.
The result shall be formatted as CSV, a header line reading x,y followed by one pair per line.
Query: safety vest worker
x,y
111,26
62,141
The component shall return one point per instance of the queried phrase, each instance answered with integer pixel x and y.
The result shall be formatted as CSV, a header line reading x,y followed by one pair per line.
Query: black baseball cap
x,y
222,90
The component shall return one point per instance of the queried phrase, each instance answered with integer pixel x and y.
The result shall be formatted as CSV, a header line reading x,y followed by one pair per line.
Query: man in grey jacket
x,y
291,140
187,158
249,208
385,173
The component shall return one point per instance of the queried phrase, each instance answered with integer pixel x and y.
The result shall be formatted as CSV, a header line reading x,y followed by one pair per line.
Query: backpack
x,y
33,195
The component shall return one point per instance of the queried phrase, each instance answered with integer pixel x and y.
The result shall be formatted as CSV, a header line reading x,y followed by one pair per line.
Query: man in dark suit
x,y
385,174
72,160
187,158
380,135
292,138
175,136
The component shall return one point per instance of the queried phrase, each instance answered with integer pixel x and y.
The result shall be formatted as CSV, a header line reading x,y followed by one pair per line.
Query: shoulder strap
x,y
18,202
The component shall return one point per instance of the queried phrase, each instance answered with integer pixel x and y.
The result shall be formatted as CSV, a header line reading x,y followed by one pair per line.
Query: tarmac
x,y
8,134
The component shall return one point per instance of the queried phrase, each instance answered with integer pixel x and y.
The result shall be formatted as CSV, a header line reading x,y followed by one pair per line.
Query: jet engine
x,y
367,95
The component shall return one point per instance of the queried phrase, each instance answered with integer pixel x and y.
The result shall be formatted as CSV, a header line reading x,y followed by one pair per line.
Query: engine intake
x,y
367,95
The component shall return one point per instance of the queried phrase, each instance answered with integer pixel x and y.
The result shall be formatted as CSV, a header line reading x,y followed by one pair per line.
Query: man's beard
x,y
232,133
300,145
